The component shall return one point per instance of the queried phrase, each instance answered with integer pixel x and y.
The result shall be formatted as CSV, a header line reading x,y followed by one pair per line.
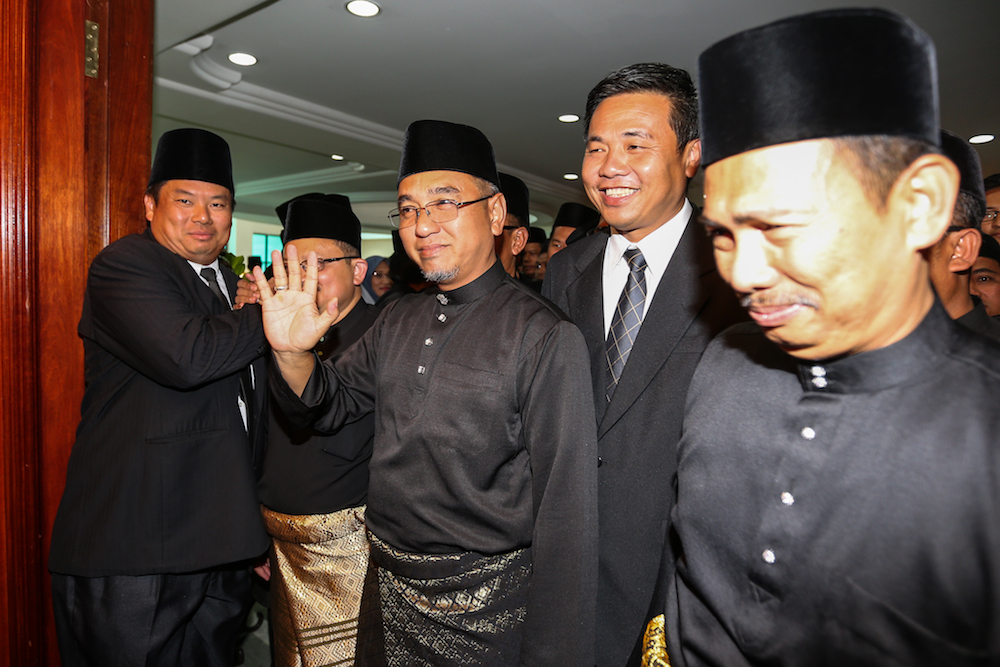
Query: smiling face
x,y
821,270
457,252
632,170
191,218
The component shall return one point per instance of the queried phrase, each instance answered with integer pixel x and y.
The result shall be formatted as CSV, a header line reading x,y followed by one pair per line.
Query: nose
x,y
614,163
424,226
749,266
200,214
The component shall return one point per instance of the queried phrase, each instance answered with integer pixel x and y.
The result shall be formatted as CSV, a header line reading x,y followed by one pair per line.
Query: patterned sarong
x,y
318,566
452,609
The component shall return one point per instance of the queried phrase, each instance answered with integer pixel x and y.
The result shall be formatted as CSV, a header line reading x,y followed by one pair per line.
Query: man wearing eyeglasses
x,y
482,502
991,221
314,485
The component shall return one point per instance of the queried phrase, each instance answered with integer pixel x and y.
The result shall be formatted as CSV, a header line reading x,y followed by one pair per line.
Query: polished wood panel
x,y
74,157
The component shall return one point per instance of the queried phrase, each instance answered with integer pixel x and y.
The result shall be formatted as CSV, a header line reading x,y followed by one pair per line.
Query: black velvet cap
x,y
193,155
432,145
321,219
990,249
516,193
282,209
965,157
576,215
537,235
826,74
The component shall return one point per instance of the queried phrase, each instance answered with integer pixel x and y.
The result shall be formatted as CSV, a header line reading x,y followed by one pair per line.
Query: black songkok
x,y
282,210
516,193
966,159
537,235
576,215
432,145
322,219
826,74
191,154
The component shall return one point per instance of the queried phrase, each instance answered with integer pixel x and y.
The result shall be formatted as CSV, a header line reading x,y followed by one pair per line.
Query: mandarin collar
x,y
477,289
896,364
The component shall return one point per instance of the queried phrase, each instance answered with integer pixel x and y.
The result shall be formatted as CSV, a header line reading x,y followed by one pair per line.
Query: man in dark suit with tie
x,y
648,300
152,540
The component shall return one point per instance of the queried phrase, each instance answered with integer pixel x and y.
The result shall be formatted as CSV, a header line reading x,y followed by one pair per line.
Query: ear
x,y
150,205
498,213
924,195
964,246
692,158
518,240
360,271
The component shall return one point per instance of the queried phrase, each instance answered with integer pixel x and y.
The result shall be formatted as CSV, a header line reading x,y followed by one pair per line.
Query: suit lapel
x,y
587,305
678,300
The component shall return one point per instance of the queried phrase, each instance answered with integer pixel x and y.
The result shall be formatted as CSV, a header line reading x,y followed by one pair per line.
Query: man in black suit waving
x,y
160,515
648,300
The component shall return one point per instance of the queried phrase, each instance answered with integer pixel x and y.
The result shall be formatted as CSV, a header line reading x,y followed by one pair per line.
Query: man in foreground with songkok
x,y
482,503
152,543
834,508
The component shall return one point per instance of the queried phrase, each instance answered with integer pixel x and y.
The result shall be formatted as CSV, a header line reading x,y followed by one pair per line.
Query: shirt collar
x,y
657,247
903,361
478,288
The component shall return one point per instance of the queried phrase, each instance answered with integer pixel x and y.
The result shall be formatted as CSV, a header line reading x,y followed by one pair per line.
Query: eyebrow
x,y
984,269
642,134
440,190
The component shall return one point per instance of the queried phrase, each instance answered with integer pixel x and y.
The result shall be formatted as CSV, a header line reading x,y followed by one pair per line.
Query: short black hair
x,y
991,182
879,159
673,83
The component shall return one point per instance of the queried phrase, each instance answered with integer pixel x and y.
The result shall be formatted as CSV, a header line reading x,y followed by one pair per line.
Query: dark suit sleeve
x,y
559,432
146,312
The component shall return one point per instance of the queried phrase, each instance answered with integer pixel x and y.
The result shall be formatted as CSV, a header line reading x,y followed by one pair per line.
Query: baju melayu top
x,y
842,512
484,441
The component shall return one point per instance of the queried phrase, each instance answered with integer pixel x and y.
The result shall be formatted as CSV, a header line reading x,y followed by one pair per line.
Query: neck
x,y
955,296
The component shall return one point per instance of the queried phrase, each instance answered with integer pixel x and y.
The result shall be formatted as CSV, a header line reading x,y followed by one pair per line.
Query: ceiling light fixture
x,y
363,8
335,156
568,118
981,139
242,59
571,177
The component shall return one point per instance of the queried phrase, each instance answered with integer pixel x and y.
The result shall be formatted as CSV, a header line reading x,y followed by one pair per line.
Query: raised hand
x,y
292,323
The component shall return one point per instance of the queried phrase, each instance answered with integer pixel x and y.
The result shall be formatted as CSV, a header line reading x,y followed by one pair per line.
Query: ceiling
x,y
328,82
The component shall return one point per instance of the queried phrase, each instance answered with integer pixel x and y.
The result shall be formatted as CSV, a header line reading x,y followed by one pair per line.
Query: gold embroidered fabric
x,y
472,617
654,644
318,565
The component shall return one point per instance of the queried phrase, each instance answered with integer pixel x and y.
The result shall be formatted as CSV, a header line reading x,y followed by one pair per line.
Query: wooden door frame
x,y
74,158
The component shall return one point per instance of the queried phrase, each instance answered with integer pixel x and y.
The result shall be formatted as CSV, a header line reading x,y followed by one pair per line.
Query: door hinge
x,y
91,52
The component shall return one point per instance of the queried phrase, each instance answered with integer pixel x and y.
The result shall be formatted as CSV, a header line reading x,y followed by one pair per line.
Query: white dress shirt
x,y
657,248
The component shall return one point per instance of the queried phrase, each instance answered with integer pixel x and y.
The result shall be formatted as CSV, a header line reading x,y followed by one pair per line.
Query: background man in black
x,y
642,147
834,508
952,258
160,513
515,227
482,504
315,485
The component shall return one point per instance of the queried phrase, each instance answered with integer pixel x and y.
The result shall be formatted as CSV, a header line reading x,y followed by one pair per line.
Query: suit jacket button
x,y
600,461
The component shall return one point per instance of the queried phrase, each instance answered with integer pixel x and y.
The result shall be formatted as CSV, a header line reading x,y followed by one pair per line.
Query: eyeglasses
x,y
322,263
990,215
445,210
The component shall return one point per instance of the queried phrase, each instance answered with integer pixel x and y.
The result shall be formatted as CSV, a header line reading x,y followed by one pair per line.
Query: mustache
x,y
777,300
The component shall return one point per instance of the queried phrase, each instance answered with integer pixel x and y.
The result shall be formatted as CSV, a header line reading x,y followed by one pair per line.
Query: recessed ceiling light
x,y
569,118
571,177
242,59
363,8
981,139
336,157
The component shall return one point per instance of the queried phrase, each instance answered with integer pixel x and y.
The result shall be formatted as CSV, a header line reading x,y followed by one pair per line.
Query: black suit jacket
x,y
161,477
639,430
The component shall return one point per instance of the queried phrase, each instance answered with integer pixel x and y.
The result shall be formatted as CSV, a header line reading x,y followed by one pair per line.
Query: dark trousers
x,y
189,620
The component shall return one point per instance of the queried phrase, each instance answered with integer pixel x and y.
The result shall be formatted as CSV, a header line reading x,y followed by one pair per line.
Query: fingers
x,y
261,282
312,274
294,278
